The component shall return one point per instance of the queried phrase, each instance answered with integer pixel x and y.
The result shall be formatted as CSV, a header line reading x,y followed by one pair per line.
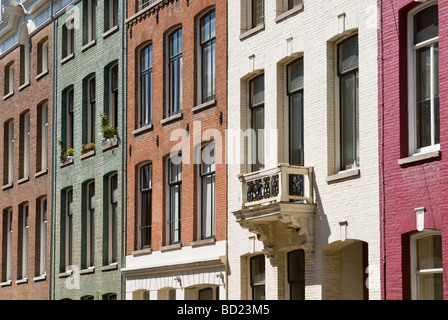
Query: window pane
x,y
348,55
430,286
348,119
426,24
257,91
208,206
429,252
296,129
295,76
258,270
206,294
258,144
257,12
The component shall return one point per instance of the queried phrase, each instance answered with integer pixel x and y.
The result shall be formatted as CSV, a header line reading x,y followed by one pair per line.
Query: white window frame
x,y
200,58
412,85
25,216
249,17
173,87
9,245
139,207
113,13
91,20
141,105
413,260
142,4
11,152
43,207
91,109
90,224
113,96
70,101
210,230
68,228
10,76
26,145
44,57
112,220
170,214
256,155
44,137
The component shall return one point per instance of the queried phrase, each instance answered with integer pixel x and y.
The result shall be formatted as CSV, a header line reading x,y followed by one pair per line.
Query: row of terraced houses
x,y
223,150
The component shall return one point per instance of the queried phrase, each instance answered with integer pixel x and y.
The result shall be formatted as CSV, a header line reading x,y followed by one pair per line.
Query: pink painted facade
x,y
411,179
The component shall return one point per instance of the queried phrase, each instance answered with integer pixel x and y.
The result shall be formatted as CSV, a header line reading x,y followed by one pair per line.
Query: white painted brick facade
x,y
312,32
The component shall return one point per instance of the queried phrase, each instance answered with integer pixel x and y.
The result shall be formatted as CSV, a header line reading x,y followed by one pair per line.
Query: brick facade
x,y
32,188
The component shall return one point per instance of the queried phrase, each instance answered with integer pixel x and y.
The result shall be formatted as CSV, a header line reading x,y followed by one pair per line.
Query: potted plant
x,y
108,132
85,148
65,154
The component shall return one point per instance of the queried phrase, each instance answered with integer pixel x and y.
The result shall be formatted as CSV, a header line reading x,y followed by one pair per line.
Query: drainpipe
x,y
383,210
123,151
53,158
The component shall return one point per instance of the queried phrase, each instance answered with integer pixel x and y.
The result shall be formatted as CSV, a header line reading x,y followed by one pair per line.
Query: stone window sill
x,y
344,175
7,186
8,95
6,283
87,155
110,267
23,86
108,144
141,130
22,281
177,116
88,45
288,13
23,180
65,274
171,247
252,31
41,173
204,106
66,162
203,242
89,270
67,58
110,32
141,252
42,74
419,157
40,278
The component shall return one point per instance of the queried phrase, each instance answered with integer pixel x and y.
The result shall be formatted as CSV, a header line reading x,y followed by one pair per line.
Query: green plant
x,y
87,147
107,130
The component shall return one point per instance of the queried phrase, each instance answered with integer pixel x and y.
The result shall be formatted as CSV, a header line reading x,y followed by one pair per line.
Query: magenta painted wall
x,y
420,184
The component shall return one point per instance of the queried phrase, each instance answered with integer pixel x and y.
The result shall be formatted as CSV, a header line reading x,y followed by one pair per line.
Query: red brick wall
x,y
143,147
419,184
29,97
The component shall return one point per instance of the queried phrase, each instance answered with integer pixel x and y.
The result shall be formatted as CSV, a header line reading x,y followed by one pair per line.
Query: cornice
x,y
152,10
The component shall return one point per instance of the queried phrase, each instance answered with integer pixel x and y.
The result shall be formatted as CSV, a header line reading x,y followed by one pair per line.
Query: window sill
x,y
40,278
141,130
88,45
23,86
419,157
203,242
7,186
204,106
110,267
177,116
67,58
23,180
289,13
22,281
41,173
252,31
141,252
87,155
65,274
110,32
89,270
6,283
66,162
41,75
171,247
107,144
8,95
344,175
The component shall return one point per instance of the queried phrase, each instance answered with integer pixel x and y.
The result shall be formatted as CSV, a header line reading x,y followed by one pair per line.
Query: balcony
x,y
284,194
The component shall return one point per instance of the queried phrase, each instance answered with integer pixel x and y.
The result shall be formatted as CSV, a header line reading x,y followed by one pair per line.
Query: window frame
x,y
25,216
43,225
9,243
251,14
10,165
26,117
203,215
113,219
339,109
174,235
254,152
254,286
44,137
141,218
145,110
91,109
202,45
68,228
291,283
70,118
412,49
90,224
174,82
91,20
113,95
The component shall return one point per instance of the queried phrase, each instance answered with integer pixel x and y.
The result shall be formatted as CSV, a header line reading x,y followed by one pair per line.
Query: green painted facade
x,y
101,278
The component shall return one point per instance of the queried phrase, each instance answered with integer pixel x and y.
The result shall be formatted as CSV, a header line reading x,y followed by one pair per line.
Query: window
x,y
42,145
255,13
25,147
9,148
111,14
41,235
113,219
207,176
109,296
175,73
145,208
68,38
427,271
348,83
90,22
289,4
7,242
91,110
424,120
175,198
113,98
68,228
295,101
42,66
23,241
90,225
207,57
24,40
145,87
257,277
9,79
206,294
256,106
142,4
69,134
296,275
